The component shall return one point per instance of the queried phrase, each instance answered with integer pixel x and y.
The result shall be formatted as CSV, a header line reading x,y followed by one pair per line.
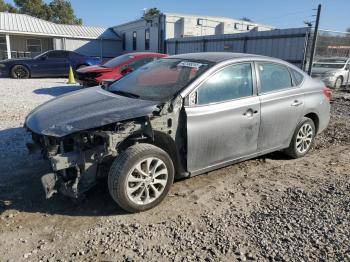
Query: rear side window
x,y
232,82
298,77
274,77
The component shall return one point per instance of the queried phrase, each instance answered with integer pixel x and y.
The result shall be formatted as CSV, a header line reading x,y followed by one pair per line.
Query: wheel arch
x,y
20,64
315,118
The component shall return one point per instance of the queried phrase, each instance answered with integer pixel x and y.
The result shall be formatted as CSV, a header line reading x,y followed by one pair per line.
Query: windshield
x,y
159,80
117,61
330,63
42,54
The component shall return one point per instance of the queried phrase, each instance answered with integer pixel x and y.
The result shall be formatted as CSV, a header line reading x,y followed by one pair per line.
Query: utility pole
x,y
314,39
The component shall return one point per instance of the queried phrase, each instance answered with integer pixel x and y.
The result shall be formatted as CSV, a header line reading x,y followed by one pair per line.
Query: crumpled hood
x,y
85,109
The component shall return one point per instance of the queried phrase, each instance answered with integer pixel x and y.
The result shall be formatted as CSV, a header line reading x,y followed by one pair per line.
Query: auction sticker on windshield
x,y
191,64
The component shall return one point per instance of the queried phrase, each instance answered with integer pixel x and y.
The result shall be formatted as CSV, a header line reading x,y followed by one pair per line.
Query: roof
x,y
26,24
219,18
215,57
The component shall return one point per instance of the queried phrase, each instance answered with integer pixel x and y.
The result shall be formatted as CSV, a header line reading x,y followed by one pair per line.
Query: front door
x,y
55,63
281,105
223,124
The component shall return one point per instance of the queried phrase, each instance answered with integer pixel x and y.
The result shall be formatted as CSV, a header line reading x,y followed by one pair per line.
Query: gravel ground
x,y
267,209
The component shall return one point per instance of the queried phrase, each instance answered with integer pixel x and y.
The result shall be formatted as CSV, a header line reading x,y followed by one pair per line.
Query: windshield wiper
x,y
124,93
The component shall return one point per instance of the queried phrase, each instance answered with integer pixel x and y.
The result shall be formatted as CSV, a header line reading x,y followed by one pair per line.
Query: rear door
x,y
281,105
223,124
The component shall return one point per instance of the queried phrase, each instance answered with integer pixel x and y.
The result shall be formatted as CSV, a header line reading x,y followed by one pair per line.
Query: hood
x,y
320,70
94,68
6,61
85,109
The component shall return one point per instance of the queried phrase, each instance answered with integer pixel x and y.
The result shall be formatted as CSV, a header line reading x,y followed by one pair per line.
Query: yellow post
x,y
71,79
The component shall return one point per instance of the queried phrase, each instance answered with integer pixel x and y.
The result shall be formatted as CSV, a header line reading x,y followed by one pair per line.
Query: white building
x,y
150,33
26,36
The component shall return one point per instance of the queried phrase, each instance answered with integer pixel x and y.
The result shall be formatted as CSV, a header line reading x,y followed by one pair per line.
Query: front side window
x,y
274,77
159,80
57,54
3,46
134,40
34,45
232,82
147,39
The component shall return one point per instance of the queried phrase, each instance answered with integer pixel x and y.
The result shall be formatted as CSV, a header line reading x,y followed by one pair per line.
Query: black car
x,y
48,64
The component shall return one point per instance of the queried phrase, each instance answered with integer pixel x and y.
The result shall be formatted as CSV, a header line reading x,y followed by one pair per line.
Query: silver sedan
x,y
177,117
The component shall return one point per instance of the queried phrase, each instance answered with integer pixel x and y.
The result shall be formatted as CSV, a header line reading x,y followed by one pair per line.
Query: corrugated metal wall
x,y
109,48
286,44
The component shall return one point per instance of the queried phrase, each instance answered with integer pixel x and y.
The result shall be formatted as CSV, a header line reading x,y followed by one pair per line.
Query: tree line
x,y
57,11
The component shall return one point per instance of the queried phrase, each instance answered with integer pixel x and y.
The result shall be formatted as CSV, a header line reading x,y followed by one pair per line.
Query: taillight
x,y
327,92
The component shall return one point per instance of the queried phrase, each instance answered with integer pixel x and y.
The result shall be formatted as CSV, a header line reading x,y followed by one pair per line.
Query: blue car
x,y
49,64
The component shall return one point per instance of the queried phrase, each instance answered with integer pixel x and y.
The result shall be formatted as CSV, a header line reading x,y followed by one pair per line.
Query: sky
x,y
278,13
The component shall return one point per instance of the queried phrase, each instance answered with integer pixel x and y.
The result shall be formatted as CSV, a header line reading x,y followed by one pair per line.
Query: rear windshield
x,y
159,80
117,61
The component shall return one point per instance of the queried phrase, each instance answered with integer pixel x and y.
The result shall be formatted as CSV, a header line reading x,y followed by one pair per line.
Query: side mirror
x,y
106,83
43,57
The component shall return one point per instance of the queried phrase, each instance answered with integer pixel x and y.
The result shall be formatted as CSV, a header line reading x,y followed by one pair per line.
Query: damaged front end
x,y
79,159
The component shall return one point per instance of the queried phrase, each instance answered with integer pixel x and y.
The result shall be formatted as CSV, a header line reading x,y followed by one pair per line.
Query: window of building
x,y
34,45
134,40
124,42
199,21
3,46
236,25
147,39
232,82
274,77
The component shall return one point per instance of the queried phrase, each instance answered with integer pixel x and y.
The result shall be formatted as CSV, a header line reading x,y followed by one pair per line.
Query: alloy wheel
x,y
146,181
304,138
21,72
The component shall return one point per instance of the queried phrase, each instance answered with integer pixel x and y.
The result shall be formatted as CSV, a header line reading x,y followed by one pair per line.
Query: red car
x,y
115,68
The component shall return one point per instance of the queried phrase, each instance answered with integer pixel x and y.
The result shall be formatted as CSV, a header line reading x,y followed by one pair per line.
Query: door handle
x,y
296,103
250,112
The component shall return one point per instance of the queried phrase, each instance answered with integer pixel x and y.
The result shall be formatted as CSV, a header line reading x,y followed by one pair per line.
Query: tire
x,y
20,72
131,189
302,139
338,83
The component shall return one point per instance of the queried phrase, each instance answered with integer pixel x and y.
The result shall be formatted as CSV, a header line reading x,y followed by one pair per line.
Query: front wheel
x,y
303,139
19,72
140,177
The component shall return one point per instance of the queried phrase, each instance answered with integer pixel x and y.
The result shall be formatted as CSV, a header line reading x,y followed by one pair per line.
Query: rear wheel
x,y
19,72
303,139
338,83
140,177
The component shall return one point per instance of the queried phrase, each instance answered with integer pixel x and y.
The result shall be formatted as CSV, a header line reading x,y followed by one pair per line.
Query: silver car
x,y
334,72
173,118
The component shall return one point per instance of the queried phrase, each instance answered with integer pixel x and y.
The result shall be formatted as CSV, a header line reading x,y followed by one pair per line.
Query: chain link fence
x,y
332,44
332,58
